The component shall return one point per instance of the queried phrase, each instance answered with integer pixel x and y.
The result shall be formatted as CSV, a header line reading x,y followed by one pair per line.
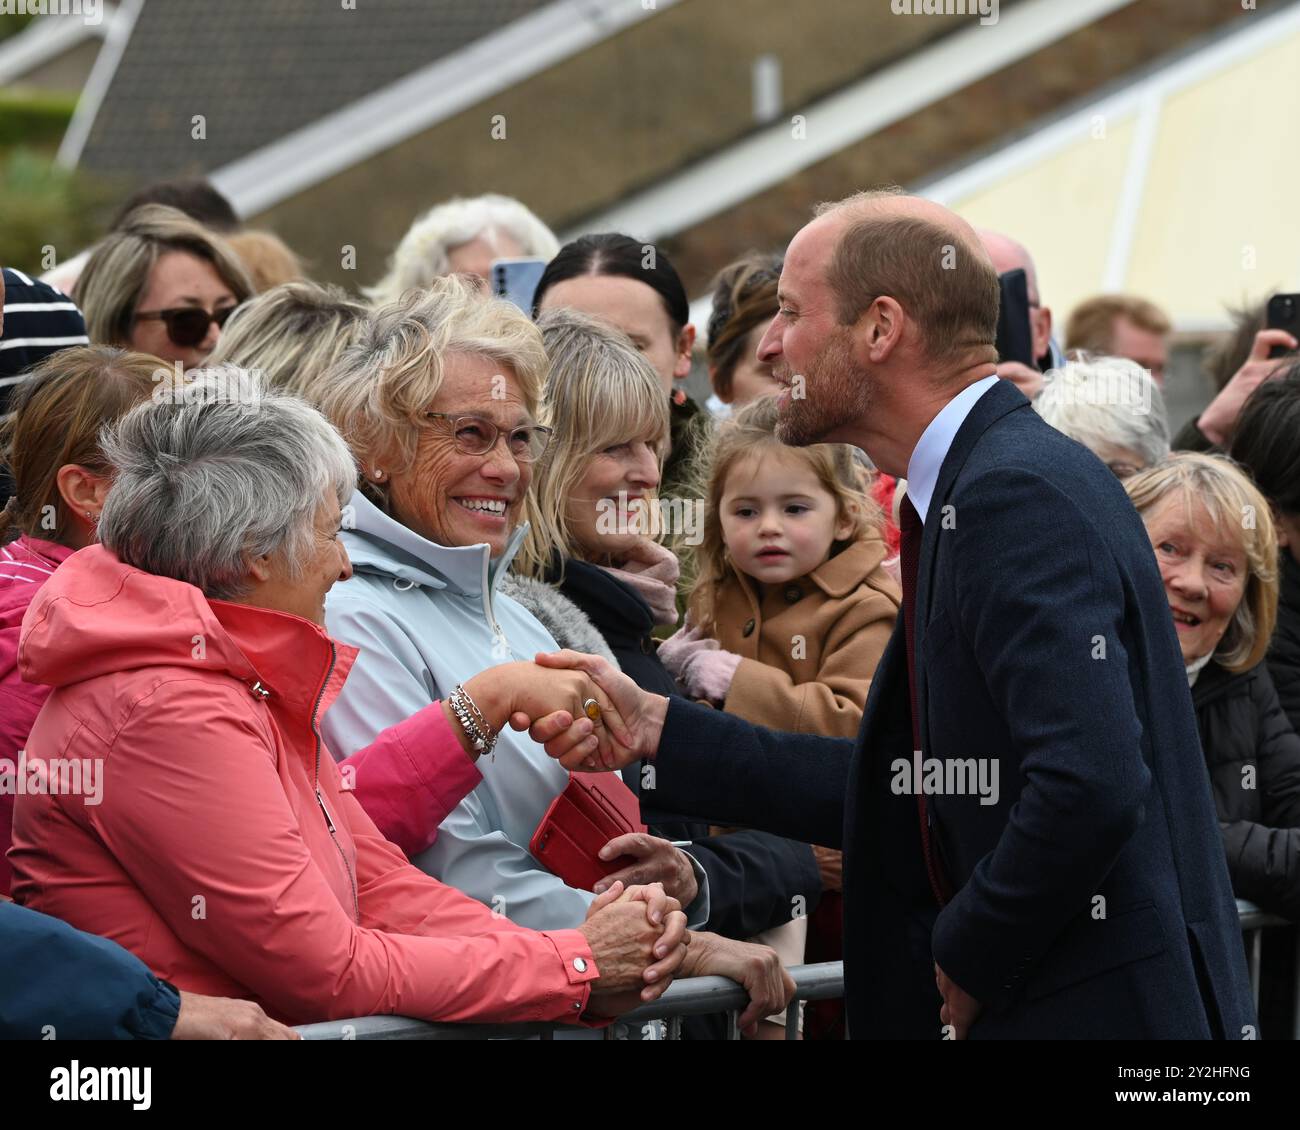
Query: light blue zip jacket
x,y
427,617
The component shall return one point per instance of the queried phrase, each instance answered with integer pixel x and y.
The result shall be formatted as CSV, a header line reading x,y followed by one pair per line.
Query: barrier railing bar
x,y
692,996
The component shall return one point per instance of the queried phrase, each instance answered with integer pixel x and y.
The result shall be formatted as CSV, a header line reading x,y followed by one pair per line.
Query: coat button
x,y
580,964
749,628
793,594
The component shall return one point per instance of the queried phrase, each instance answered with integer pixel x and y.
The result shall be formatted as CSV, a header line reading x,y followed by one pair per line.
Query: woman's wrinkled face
x,y
179,279
1204,569
609,507
326,564
636,309
456,499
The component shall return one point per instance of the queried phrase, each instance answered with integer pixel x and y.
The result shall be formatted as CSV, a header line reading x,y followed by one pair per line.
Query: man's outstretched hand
x,y
633,731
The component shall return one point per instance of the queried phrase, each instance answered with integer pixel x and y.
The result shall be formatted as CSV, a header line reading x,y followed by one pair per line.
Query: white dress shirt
x,y
932,448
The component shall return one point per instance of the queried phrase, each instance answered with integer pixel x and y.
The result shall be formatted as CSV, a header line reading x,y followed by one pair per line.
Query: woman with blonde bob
x,y
1216,546
591,566
161,283
292,334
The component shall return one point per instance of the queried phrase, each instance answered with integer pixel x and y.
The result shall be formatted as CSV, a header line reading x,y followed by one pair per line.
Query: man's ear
x,y
882,323
685,343
83,491
1041,327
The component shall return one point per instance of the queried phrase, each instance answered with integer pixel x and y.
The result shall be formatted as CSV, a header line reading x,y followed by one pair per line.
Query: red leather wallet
x,y
592,810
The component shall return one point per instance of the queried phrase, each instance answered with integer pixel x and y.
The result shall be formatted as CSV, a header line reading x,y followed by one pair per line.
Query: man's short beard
x,y
836,392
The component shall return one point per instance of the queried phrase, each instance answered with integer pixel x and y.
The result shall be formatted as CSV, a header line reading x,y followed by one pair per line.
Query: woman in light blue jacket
x,y
438,398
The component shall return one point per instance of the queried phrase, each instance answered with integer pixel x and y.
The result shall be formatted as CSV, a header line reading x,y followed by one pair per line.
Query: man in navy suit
x,y
1030,846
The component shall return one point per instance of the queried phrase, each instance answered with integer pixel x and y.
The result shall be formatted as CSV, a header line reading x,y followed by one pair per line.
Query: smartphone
x,y
516,280
1283,314
1015,340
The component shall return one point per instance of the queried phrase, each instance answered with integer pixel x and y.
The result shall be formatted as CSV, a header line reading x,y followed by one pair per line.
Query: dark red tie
x,y
911,528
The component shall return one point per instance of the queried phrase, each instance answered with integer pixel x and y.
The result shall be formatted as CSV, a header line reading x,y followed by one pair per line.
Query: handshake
x,y
587,714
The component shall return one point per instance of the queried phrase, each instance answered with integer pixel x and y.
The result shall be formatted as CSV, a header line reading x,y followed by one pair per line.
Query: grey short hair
x,y
214,471
1107,401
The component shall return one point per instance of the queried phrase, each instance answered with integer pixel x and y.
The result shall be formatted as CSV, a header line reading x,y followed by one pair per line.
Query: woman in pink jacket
x,y
176,796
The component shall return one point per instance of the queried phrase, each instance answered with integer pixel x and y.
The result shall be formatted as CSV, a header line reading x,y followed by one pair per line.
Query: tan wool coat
x,y
810,647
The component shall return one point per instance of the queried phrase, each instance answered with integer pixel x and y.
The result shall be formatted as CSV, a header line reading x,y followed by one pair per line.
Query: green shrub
x,y
46,212
37,117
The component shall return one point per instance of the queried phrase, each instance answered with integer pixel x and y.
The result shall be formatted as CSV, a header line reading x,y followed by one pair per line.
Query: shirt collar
x,y
931,449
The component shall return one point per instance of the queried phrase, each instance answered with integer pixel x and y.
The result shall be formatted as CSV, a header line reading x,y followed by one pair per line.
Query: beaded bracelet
x,y
483,739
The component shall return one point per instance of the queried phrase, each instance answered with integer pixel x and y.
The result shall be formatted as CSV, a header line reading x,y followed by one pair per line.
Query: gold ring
x,y
591,708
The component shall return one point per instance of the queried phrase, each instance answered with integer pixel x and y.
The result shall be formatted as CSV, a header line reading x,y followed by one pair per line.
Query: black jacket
x,y
755,877
1253,756
1284,651
1092,896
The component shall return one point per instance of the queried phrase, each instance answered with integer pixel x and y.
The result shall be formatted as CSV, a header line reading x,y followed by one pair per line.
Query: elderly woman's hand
x,y
549,704
639,940
655,861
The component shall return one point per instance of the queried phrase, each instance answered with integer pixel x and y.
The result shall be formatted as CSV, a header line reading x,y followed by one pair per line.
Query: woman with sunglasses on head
x,y
163,284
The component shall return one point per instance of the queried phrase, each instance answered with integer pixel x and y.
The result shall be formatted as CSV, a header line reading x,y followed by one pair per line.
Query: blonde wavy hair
x,y
381,386
292,335
1236,506
600,391
752,433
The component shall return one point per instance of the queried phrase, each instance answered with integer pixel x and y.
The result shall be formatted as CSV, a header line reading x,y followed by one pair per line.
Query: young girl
x,y
791,607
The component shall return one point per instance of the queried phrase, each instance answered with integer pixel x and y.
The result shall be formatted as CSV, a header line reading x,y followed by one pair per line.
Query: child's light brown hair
x,y
752,432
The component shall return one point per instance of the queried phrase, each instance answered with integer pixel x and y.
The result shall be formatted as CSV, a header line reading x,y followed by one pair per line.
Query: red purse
x,y
592,810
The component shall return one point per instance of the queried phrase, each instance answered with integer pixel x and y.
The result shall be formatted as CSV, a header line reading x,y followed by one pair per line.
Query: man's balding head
x,y
917,252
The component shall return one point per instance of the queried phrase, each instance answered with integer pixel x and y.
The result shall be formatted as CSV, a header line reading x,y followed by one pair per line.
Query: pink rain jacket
x,y
223,850
381,775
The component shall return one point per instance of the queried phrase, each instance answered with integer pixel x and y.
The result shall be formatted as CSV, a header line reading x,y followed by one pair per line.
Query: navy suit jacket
x,y
1092,898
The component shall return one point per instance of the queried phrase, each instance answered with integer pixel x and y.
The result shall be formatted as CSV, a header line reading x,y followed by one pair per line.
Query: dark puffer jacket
x,y
1253,756
1284,651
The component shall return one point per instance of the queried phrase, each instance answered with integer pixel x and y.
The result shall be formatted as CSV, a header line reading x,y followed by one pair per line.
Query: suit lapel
x,y
1000,400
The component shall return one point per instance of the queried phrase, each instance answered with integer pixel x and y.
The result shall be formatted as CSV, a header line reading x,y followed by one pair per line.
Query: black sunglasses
x,y
187,325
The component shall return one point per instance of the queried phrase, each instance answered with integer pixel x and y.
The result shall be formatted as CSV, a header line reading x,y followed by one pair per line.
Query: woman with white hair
x,y
1216,546
463,236
188,657
1110,405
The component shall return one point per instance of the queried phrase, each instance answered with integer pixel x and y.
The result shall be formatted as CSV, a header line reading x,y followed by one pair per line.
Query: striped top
x,y
38,321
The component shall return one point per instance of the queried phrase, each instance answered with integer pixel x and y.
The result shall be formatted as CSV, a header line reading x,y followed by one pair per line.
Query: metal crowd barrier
x,y
1253,924
701,996
691,996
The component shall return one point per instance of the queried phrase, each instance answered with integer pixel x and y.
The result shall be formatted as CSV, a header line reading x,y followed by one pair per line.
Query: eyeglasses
x,y
475,435
1123,470
187,325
